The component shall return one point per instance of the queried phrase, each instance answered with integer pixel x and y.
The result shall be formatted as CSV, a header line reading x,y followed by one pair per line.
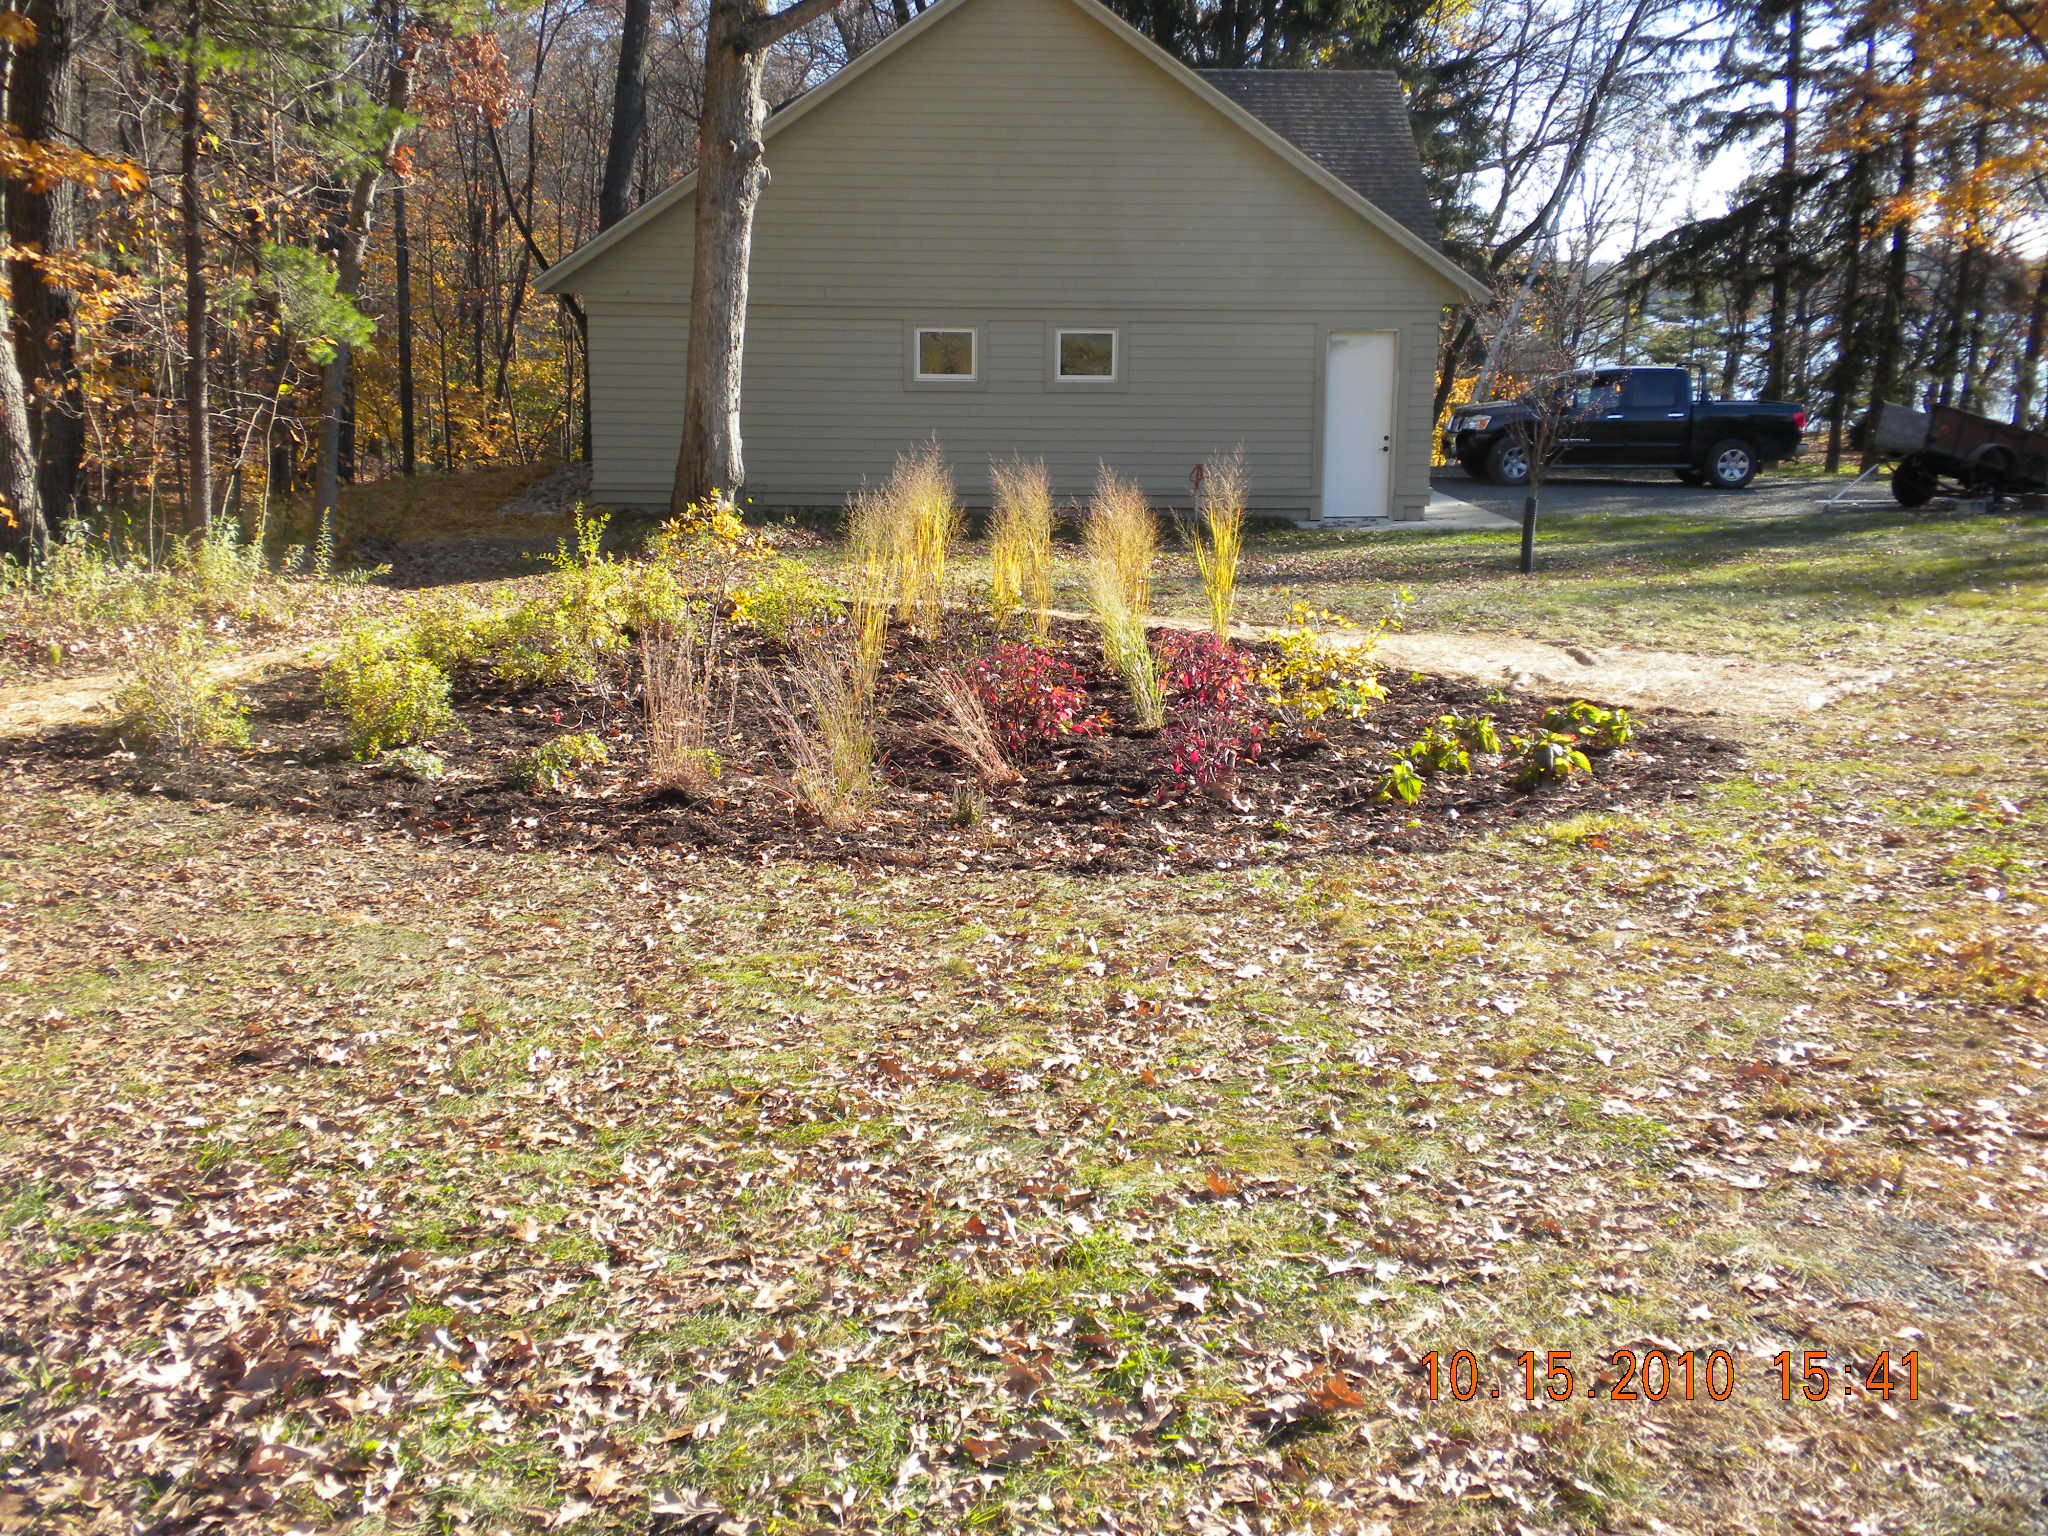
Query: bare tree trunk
x,y
401,234
2028,384
730,175
1885,368
629,116
355,242
1846,374
198,419
1777,345
40,92
567,301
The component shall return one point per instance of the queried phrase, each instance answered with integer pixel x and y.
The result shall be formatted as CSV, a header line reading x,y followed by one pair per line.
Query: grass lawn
x,y
353,1183
1847,585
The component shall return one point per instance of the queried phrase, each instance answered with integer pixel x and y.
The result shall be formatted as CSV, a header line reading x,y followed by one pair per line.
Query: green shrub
x,y
1399,782
454,633
221,573
1547,758
391,695
1439,751
786,596
172,704
551,767
1447,746
415,763
1597,729
1477,732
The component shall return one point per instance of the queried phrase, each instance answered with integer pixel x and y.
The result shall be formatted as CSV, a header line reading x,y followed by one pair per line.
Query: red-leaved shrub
x,y
1200,672
1033,697
1216,721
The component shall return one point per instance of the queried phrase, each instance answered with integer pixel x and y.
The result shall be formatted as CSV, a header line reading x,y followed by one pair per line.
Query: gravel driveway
x,y
1766,496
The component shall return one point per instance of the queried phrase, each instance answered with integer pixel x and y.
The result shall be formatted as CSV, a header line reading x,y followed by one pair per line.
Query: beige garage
x,y
1020,227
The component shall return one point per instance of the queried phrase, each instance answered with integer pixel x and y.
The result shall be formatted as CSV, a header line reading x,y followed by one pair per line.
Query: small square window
x,y
945,354
1087,355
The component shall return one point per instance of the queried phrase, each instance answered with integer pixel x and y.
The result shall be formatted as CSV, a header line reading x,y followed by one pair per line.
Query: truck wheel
x,y
1691,476
1507,462
1731,464
1914,483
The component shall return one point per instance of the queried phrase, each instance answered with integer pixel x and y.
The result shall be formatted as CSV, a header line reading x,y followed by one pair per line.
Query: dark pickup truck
x,y
1626,418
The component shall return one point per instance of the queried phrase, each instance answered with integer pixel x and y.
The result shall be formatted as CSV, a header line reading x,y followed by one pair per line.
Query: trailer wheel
x,y
1992,472
1914,482
1731,464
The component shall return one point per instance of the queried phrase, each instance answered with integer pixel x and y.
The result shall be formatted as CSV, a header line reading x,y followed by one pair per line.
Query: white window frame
x,y
917,336
1087,380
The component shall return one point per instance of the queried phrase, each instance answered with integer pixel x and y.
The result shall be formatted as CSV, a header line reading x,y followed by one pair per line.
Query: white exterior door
x,y
1358,424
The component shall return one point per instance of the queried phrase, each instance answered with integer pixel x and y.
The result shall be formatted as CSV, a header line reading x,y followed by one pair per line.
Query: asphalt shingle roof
x,y
1352,122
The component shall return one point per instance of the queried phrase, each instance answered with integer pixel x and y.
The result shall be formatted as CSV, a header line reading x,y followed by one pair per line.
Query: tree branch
x,y
802,14
2012,15
567,300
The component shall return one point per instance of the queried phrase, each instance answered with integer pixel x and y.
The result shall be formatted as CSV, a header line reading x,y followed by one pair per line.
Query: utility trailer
x,y
1946,452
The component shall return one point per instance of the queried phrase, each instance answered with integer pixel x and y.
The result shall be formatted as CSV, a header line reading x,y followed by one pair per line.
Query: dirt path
x,y
1667,680
27,709
1676,681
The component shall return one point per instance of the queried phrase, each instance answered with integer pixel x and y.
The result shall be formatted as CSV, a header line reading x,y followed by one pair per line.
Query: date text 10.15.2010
x,y
1658,1375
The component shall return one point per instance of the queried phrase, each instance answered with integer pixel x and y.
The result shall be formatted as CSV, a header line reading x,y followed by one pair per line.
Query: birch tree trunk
x,y
21,501
41,88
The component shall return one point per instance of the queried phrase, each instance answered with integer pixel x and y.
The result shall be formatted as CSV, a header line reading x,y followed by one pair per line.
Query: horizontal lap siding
x,y
1194,389
1018,166
636,400
826,408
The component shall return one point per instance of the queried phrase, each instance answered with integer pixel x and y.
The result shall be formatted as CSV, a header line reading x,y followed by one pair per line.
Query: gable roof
x,y
1352,122
1423,246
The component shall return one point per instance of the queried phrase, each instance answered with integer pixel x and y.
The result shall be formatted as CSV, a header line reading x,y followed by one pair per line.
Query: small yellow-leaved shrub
x,y
390,694
171,703
1323,665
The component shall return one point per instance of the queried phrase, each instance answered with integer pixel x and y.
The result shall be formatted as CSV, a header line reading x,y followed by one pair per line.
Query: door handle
x,y
1617,416
1674,416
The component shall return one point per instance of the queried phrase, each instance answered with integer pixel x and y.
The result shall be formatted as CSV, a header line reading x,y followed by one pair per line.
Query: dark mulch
x,y
1096,804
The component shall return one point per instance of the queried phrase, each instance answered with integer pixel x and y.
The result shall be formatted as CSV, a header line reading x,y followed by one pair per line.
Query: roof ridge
x,y
1274,69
